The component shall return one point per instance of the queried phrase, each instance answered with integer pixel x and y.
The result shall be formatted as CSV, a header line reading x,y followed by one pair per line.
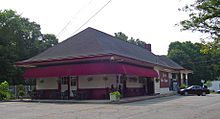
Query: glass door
x,y
73,84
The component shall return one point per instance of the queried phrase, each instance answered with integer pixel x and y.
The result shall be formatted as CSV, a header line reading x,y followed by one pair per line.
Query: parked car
x,y
194,89
218,91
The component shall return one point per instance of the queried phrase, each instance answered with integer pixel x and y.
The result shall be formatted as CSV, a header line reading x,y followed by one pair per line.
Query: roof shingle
x,y
91,42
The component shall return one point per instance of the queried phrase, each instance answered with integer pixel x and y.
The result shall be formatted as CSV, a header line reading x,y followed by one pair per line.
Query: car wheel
x,y
203,93
185,93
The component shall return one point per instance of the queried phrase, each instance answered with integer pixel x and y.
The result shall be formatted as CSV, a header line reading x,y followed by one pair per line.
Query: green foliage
x,y
137,42
125,77
19,39
183,86
117,94
213,92
21,92
135,78
218,78
4,91
208,83
188,55
20,89
204,17
12,96
122,36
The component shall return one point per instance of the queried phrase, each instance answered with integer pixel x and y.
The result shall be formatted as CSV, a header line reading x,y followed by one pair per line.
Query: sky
x,y
152,21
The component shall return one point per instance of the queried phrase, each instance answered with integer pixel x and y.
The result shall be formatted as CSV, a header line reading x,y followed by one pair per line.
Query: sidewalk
x,y
123,100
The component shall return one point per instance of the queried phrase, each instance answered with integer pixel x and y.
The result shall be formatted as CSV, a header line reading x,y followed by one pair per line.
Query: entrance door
x,y
64,83
124,88
175,86
150,85
73,84
171,84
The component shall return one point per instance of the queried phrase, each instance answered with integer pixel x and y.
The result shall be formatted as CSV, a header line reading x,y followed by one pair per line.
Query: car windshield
x,y
190,87
194,87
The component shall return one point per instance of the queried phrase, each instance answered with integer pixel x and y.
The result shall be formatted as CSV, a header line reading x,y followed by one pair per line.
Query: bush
x,y
12,96
209,83
20,89
183,86
21,93
116,93
4,91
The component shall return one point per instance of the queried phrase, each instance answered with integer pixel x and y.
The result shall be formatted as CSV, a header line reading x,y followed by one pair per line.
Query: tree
x,y
19,39
188,55
204,16
124,37
4,91
208,83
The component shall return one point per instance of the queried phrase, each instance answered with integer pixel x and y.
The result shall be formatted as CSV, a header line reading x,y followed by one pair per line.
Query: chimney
x,y
148,47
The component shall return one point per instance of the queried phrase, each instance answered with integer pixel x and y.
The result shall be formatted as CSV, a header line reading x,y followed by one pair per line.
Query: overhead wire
x,y
92,17
70,21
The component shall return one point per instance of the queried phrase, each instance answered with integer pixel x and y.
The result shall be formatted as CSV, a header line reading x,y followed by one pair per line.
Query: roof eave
x,y
33,63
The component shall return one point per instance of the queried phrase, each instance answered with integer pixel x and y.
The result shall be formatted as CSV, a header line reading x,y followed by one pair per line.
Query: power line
x,y
68,23
92,16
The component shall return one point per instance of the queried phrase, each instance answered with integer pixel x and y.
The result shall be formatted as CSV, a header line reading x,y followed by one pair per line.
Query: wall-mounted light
x,y
112,58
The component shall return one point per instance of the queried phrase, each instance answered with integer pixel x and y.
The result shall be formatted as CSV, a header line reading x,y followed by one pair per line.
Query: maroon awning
x,y
88,69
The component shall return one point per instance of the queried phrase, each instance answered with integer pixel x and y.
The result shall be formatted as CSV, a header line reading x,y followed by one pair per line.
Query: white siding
x,y
132,84
96,82
48,83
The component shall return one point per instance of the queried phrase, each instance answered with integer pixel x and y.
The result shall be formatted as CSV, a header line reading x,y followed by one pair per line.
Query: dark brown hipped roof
x,y
165,61
91,42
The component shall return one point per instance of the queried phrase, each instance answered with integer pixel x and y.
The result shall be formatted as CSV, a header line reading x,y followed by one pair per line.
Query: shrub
x,y
116,93
20,89
21,92
4,91
183,86
125,77
209,83
12,96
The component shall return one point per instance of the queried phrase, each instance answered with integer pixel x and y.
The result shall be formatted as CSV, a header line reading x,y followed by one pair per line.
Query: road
x,y
174,107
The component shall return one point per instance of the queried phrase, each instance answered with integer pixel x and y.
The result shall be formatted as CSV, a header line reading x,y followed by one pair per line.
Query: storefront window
x,y
64,80
73,82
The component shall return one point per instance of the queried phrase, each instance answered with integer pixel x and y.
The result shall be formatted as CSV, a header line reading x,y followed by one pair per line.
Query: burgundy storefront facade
x,y
91,64
73,75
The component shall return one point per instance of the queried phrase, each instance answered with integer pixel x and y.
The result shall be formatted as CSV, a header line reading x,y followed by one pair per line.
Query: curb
x,y
144,98
58,101
90,102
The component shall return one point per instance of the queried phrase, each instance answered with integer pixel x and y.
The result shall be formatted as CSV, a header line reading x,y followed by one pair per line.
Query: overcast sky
x,y
152,21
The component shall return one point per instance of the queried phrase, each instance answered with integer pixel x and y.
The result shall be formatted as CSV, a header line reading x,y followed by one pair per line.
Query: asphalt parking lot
x,y
173,107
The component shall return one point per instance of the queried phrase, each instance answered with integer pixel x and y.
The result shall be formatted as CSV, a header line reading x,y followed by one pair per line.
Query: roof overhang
x,y
186,71
62,60
88,69
111,57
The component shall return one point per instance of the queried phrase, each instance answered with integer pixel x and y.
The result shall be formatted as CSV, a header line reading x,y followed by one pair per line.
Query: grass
x,y
214,93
